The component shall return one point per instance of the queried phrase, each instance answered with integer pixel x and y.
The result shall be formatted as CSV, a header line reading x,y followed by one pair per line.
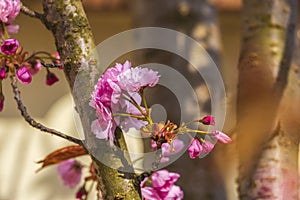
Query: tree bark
x,y
266,125
67,21
201,178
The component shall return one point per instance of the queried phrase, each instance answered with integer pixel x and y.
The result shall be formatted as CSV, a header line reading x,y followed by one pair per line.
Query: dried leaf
x,y
62,155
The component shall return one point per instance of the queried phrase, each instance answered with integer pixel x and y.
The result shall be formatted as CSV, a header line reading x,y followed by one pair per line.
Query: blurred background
x,y
21,146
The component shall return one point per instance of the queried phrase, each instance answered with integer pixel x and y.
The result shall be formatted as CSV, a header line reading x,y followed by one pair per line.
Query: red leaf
x,y
62,155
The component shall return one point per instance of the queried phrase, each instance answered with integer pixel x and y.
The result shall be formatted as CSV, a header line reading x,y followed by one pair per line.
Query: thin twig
x,y
34,123
29,12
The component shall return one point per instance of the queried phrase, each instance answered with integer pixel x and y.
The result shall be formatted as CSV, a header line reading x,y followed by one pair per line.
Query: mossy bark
x,y
67,21
267,132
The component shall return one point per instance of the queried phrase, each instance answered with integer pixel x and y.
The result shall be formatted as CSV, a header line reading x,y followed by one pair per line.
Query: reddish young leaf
x,y
62,155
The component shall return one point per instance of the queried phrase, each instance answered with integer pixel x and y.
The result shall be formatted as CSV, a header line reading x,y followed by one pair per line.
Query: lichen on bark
x,y
67,21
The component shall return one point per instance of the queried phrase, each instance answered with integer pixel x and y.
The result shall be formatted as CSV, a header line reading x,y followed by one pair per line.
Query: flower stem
x,y
129,115
196,131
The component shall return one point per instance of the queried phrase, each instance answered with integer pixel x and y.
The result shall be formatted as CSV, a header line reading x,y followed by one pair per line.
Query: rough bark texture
x,y
74,41
266,126
201,178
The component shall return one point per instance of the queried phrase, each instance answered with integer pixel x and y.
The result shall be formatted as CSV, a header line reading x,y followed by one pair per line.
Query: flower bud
x,y
195,149
36,66
208,120
9,46
51,78
24,75
221,137
70,171
2,73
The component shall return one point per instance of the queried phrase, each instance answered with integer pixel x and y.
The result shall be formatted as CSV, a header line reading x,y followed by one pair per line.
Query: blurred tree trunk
x,y
201,178
74,41
268,101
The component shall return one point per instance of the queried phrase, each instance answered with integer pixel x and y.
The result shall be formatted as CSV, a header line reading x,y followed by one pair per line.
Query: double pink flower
x,y
107,98
9,9
160,186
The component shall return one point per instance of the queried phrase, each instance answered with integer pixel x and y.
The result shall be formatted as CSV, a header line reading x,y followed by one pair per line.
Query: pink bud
x,y
81,193
51,78
2,73
36,67
24,75
194,149
207,147
208,120
57,60
9,46
221,137
12,28
70,171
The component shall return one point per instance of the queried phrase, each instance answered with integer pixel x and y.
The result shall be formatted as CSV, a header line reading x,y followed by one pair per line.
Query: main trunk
x,y
266,130
74,41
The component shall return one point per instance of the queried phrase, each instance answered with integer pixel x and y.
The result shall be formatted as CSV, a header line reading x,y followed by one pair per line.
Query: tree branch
x,y
34,123
27,11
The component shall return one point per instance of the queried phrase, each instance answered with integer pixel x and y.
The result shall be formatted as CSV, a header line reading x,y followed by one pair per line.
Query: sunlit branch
x,y
34,123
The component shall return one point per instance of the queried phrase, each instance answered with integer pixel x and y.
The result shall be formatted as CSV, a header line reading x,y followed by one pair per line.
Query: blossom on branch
x,y
51,78
23,74
221,137
160,186
208,120
9,9
134,79
195,149
70,171
9,46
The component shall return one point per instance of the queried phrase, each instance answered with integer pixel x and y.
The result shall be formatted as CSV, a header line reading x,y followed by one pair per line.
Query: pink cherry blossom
x,y
70,171
134,79
208,120
160,186
162,180
195,149
24,75
12,28
207,147
104,99
36,67
51,78
104,126
9,46
150,193
175,193
221,137
168,150
2,74
113,72
9,9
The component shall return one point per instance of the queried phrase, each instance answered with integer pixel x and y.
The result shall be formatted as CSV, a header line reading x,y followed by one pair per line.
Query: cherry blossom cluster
x,y
13,60
119,101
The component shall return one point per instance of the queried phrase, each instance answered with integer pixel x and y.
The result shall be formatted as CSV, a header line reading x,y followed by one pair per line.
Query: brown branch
x,y
27,11
34,123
